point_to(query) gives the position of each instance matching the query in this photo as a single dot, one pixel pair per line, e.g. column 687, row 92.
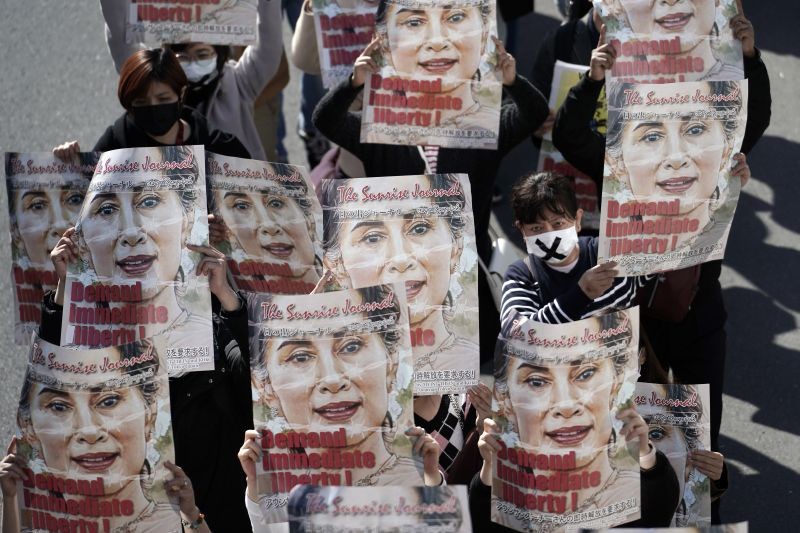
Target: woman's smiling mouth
column 569, row 436
column 674, row 21
column 135, row 265
column 279, row 250
column 96, row 462
column 338, row 411
column 677, row 185
column 438, row 66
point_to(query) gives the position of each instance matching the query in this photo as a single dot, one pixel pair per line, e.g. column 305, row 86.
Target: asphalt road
column 59, row 84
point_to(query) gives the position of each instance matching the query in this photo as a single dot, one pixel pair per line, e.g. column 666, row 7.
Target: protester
column 560, row 280
column 207, row 407
column 694, row 348
column 223, row 91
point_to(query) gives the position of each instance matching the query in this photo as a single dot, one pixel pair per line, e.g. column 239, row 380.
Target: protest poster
column 94, row 429
column 668, row 194
column 558, row 388
column 344, row 28
column 417, row 230
column 566, row 76
column 671, row 42
column 273, row 221
column 136, row 277
column 437, row 83
column 44, row 197
column 679, row 421
column 443, row 509
column 332, row 391
column 228, row 22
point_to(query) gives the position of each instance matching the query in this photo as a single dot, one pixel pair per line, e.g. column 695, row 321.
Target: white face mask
column 197, row 70
column 553, row 246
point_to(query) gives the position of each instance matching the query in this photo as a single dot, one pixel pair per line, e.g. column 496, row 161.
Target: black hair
column 533, row 193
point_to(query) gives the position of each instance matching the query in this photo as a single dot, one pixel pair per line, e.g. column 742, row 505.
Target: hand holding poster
column 417, row 230
column 668, row 191
column 331, row 378
column 44, row 197
column 437, row 83
column 668, row 42
column 559, row 388
column 273, row 221
column 94, row 430
column 565, row 76
column 136, row 277
column 679, row 424
column 443, row 509
column 344, row 28
column 191, row 21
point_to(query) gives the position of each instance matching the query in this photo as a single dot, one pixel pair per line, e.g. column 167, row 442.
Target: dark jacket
column 660, row 495
column 520, row 116
column 125, row 134
column 211, row 410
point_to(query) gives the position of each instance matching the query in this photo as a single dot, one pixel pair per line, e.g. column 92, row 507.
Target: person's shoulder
column 517, row 271
column 216, row 141
column 113, row 137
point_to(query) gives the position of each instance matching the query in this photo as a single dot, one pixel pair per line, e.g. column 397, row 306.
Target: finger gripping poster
column 417, row 230
column 331, row 377
column 669, row 187
column 229, row 22
column 443, row 509
column 44, row 197
column 272, row 222
column 679, row 424
column 344, row 28
column 94, row 431
column 437, row 83
column 669, row 42
column 136, row 277
column 563, row 464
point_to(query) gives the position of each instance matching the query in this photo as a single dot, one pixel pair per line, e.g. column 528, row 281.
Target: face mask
column 553, row 246
column 202, row 68
column 156, row 120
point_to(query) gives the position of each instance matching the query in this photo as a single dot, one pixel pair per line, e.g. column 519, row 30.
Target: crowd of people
column 228, row 100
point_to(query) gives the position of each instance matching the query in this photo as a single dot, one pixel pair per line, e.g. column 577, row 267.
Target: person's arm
column 304, row 53
column 260, row 61
column 522, row 116
column 115, row 15
column 333, row 119
column 542, row 73
column 759, row 101
column 573, row 136
column 521, row 293
column 660, row 493
column 276, row 84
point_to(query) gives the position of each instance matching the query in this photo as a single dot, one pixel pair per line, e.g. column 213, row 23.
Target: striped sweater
column 555, row 297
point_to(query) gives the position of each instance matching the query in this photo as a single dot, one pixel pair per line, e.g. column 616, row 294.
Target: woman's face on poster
column 269, row 227
column 692, row 20
column 331, row 380
column 136, row 236
column 679, row 156
column 667, row 438
column 435, row 41
column 42, row 216
column 565, row 407
column 412, row 247
column 86, row 433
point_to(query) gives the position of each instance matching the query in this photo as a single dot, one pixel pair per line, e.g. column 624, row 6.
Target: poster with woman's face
column 738, row 527
column 273, row 223
column 136, row 277
column 443, row 509
column 672, row 42
column 94, row 429
column 679, row 421
column 44, row 197
column 417, row 230
column 558, row 388
column 228, row 22
column 344, row 28
column 332, row 391
column 437, row 83
column 668, row 194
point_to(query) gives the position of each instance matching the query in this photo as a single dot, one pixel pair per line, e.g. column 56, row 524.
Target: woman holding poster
column 97, row 420
column 411, row 229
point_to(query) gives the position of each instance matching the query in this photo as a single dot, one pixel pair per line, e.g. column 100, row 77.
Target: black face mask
column 156, row 120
